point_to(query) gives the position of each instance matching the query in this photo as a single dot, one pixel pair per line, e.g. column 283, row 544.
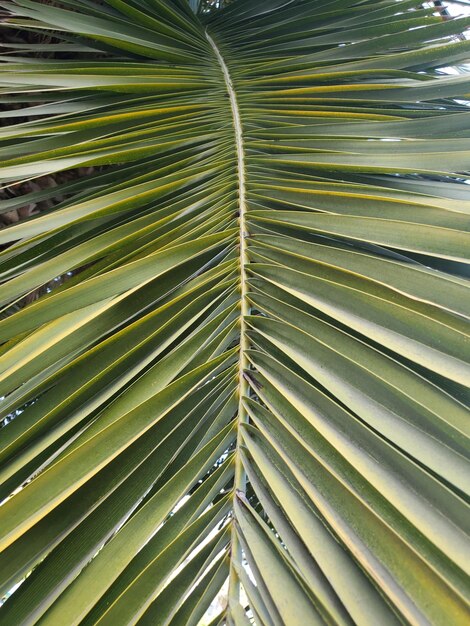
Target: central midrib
column 243, row 387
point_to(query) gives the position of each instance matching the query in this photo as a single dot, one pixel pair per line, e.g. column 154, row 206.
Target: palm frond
column 255, row 363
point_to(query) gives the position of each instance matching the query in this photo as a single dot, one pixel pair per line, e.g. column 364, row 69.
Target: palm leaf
column 254, row 363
